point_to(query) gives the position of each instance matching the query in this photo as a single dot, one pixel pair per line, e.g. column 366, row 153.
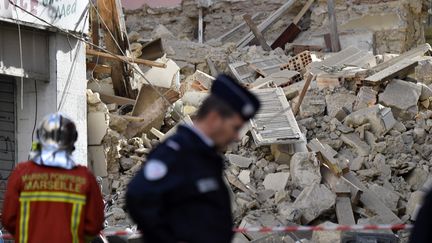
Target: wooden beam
column 325, row 156
column 92, row 52
column 334, row 35
column 293, row 30
column 200, row 26
column 309, row 79
column 112, row 37
column 256, row 32
column 98, row 68
column 302, row 12
column 112, row 99
column 230, row 33
column 213, row 70
column 265, row 25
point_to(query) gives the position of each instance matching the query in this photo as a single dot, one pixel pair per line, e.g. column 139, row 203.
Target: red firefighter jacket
column 49, row 204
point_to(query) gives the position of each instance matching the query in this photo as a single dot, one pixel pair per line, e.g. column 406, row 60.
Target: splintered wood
column 275, row 123
column 299, row 62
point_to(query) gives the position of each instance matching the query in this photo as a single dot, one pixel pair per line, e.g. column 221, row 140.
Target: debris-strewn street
column 343, row 136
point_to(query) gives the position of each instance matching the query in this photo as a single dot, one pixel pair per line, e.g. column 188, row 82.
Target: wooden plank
column 309, row 79
column 334, row 35
column 125, row 59
column 247, row 18
column 230, row 33
column 265, row 25
column 371, row 202
column 397, row 70
column 415, row 52
column 112, row 99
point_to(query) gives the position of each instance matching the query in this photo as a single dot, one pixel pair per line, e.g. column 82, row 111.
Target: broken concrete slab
column 313, row 201
column 379, row 117
column 388, row 197
column 97, row 160
column 244, row 176
column 423, row 72
column 402, row 97
column 414, row 204
column 417, row 178
column 97, row 126
column 276, row 181
column 304, row 169
column 353, row 140
column 335, row 102
column 326, row 236
column 371, row 202
column 239, row 161
column 312, row 105
column 366, row 97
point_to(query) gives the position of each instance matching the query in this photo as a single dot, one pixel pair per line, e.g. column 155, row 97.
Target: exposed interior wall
column 220, row 17
column 397, row 25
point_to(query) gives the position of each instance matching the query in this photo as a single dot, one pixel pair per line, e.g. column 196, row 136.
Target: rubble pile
column 342, row 138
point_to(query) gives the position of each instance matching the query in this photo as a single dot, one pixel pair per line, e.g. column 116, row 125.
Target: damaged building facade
column 42, row 70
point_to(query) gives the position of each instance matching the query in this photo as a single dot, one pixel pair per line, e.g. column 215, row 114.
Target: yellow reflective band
column 77, row 200
column 53, row 197
column 24, row 219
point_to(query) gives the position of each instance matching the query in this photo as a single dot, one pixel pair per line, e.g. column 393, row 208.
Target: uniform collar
column 208, row 141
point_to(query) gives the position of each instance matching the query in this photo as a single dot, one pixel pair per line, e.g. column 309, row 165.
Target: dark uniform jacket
column 422, row 232
column 179, row 195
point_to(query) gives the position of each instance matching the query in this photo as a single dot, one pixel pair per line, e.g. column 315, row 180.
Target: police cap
column 238, row 97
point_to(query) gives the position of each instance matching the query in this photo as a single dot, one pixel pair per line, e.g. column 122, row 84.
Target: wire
column 35, row 116
column 21, row 60
column 103, row 49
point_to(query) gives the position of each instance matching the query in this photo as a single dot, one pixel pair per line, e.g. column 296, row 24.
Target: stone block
column 379, row 117
column 335, row 102
column 423, row 72
column 244, row 176
column 276, row 181
column 402, row 97
column 414, row 203
column 388, row 197
column 366, row 97
column 353, row 140
column 304, row 169
column 240, row 161
column 282, row 153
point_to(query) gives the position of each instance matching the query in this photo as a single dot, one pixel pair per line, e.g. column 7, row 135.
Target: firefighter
column 180, row 194
column 50, row 198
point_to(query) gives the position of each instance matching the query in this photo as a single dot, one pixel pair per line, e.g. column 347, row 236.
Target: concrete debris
column 304, row 169
column 313, row 201
column 240, row 161
column 276, row 181
column 402, row 97
column 423, row 72
column 355, row 118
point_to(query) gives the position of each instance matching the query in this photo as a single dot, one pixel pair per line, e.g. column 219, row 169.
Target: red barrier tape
column 284, row 229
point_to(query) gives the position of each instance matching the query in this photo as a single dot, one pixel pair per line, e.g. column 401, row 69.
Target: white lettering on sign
column 65, row 14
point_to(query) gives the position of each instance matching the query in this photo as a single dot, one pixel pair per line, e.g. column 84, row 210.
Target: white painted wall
column 68, row 70
column 65, row 91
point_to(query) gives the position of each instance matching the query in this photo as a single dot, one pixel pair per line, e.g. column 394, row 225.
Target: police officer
column 180, row 195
